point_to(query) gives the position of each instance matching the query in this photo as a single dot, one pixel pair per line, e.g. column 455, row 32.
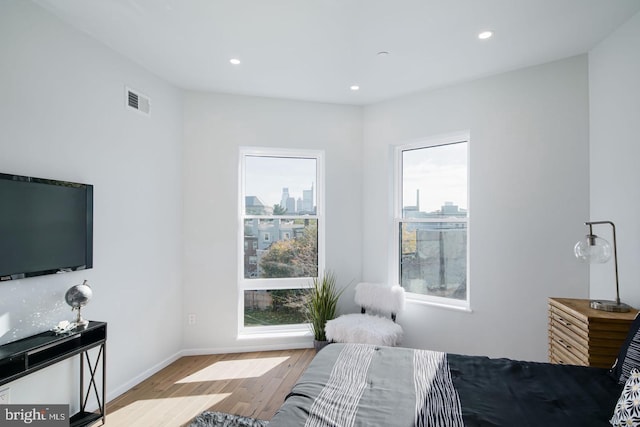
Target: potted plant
column 321, row 306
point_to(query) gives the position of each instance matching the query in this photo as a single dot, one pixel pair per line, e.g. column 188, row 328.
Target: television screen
column 46, row 226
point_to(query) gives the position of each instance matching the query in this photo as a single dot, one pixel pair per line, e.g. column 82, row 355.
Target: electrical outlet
column 191, row 319
column 5, row 396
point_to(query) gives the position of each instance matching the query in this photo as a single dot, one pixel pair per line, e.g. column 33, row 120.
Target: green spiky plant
column 322, row 303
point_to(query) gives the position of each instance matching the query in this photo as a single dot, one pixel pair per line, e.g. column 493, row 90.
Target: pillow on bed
column 629, row 355
column 627, row 411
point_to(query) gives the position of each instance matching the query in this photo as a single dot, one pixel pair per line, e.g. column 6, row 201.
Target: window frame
column 247, row 284
column 398, row 220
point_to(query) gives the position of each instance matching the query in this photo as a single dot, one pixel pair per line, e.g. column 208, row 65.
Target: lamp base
column 611, row 306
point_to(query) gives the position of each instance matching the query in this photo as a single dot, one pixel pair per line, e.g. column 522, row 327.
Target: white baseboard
column 122, row 388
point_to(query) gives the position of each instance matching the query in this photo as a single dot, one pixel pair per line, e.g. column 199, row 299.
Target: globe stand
column 80, row 322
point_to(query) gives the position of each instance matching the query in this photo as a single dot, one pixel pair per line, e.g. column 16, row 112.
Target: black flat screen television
column 46, row 226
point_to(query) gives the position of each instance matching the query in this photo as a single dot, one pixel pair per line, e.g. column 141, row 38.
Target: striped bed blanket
column 436, row 401
column 365, row 385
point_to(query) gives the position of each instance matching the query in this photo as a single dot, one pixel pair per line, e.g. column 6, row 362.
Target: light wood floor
column 248, row 384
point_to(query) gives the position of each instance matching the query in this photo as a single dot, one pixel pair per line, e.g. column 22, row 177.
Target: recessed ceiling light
column 235, row 61
column 354, row 87
column 383, row 53
column 485, row 35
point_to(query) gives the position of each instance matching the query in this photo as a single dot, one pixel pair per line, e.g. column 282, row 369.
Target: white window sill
column 244, row 335
column 465, row 309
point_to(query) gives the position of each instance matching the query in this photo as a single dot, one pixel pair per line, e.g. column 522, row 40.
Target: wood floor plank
column 248, row 384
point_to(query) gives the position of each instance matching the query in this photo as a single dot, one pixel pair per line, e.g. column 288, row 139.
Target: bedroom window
column 431, row 220
column 280, row 235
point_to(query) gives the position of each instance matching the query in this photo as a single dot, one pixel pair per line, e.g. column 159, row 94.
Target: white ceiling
column 316, row 49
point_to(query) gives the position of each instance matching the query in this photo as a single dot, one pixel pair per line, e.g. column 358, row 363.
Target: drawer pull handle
column 566, row 323
column 564, row 344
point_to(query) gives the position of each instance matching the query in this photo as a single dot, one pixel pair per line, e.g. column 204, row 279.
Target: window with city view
column 281, row 197
column 432, row 219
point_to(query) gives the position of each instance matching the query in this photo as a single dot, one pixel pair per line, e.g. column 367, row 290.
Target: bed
column 367, row 385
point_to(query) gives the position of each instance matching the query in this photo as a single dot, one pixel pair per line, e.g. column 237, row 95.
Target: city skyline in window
column 266, row 177
column 438, row 175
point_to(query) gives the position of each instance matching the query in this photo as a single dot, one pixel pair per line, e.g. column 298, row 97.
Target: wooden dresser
column 580, row 335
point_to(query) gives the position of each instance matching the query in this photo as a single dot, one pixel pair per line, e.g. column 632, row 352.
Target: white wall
column 614, row 91
column 528, row 198
column 215, row 126
column 62, row 116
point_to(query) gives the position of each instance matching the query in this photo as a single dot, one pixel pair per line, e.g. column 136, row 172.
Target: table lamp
column 597, row 250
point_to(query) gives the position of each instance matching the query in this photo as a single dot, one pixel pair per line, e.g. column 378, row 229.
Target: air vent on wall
column 137, row 101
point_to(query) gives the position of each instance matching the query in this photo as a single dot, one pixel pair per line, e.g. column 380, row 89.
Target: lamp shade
column 593, row 249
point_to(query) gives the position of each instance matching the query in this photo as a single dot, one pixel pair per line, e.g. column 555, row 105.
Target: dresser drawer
column 569, row 350
column 560, row 337
column 562, row 356
column 580, row 335
column 568, row 326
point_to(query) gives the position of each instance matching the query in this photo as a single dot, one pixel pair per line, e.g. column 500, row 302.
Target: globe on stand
column 77, row 297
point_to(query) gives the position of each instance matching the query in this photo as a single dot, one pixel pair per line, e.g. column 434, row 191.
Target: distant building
column 250, row 256
column 254, row 206
column 307, row 200
column 448, row 210
column 285, row 197
column 288, row 202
